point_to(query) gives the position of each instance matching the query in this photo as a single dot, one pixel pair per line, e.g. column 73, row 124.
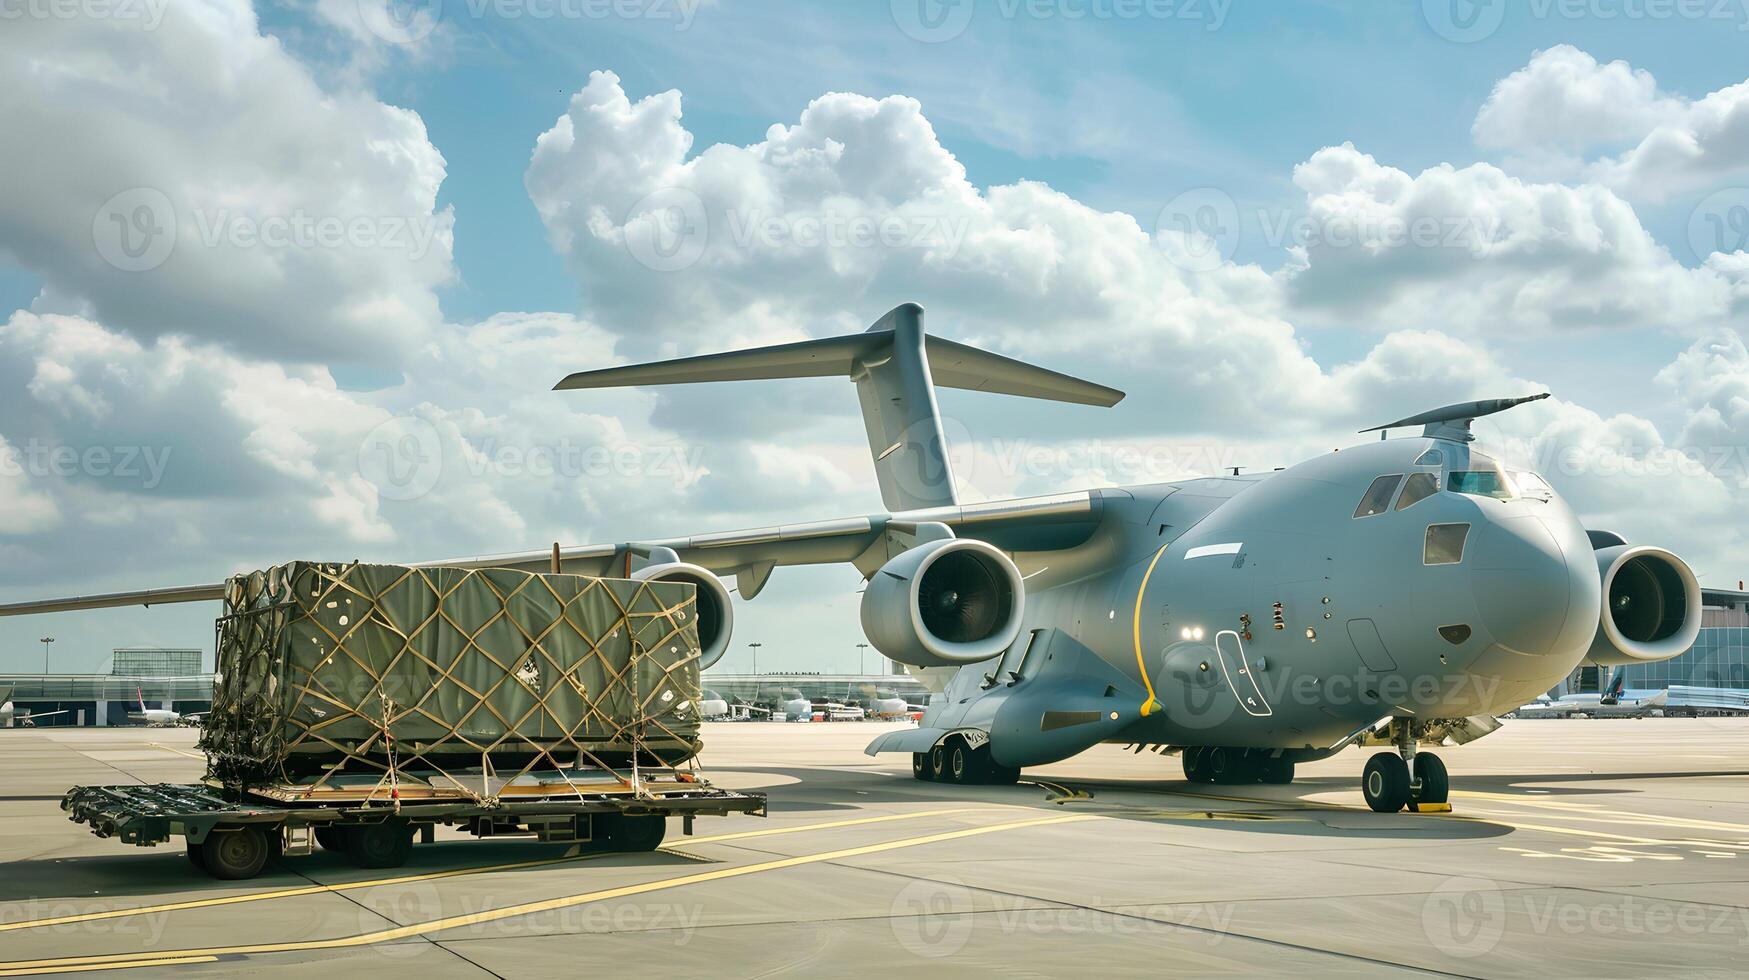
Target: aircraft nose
column 1525, row 588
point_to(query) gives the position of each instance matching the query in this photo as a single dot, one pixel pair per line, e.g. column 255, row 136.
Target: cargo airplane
column 1403, row 592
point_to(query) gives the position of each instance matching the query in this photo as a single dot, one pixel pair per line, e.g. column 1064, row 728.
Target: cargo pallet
column 231, row 834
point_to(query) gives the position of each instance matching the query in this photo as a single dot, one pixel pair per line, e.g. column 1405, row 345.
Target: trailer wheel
column 331, row 838
column 195, row 856
column 619, row 832
column 234, row 853
column 380, row 845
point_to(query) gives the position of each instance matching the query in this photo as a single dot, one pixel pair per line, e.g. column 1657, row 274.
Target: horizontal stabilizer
column 952, row 365
column 896, row 366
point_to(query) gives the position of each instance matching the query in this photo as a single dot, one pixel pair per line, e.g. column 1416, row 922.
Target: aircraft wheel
column 938, row 762
column 1198, row 765
column 1188, row 758
column 1224, row 765
column 999, row 775
column 1385, row 782
column 1435, row 784
column 234, row 854
column 920, row 767
column 965, row 764
column 380, row 845
column 1277, row 770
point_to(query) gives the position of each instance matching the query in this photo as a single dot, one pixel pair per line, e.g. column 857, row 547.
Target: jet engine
column 944, row 603
column 716, row 617
column 1651, row 606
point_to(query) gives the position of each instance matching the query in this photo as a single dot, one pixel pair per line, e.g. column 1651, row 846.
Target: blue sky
column 285, row 359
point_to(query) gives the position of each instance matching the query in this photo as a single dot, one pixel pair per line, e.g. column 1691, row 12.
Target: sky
column 294, row 280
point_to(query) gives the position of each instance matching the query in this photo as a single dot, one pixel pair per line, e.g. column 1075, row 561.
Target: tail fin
column 896, row 367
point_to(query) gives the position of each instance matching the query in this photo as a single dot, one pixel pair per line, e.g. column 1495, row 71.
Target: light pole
column 755, row 648
column 861, row 653
column 46, row 641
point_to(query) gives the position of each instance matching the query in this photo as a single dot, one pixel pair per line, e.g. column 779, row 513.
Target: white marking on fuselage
column 1203, row 551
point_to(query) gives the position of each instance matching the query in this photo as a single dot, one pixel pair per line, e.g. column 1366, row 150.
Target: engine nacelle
column 716, row 617
column 944, row 603
column 1651, row 606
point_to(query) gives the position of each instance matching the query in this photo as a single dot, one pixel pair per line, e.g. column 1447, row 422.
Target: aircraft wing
column 46, row 714
column 1032, row 523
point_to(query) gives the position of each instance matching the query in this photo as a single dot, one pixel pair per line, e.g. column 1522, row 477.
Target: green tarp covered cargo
column 379, row 668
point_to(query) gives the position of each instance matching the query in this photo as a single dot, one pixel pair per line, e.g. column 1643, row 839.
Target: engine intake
column 1651, row 606
column 944, row 603
column 716, row 616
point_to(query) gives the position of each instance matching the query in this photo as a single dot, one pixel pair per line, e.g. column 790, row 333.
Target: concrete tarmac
column 1607, row 848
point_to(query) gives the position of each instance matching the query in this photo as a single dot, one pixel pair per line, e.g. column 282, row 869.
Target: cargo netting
column 495, row 673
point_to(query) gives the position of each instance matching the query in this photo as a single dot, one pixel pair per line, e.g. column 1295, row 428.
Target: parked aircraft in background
column 10, row 716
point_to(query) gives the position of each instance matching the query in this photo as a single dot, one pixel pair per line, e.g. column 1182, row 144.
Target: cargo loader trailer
column 233, row 835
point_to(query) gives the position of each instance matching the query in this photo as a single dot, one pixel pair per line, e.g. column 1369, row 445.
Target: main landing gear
column 955, row 760
column 1405, row 778
column 1236, row 767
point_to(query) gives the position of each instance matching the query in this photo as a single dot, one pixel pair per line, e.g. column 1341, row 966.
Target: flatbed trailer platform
column 231, row 833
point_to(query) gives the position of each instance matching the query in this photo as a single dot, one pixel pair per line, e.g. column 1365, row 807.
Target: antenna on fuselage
column 1453, row 421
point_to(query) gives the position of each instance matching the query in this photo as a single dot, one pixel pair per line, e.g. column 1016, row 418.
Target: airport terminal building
column 164, row 677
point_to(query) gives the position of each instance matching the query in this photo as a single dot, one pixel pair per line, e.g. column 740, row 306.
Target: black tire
column 1435, row 783
column 997, row 775
column 1191, row 757
column 233, row 854
column 196, row 856
column 1385, row 783
column 644, row 833
column 1223, row 765
column 920, row 767
column 962, row 765
column 938, row 770
column 1277, row 770
column 331, row 838
column 380, row 845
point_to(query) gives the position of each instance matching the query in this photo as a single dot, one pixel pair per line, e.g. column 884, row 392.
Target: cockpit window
column 1486, row 479
column 1378, row 496
column 1533, row 486
column 1432, row 457
column 1419, row 487
column 1445, row 544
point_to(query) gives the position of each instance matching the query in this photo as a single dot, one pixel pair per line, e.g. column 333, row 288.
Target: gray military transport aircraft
column 1402, row 592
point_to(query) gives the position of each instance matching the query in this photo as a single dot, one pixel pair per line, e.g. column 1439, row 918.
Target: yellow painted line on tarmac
column 453, row 873
column 117, row 961
column 183, row 961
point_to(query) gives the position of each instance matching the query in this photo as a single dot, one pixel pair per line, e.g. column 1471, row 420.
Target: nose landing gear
column 1406, row 778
